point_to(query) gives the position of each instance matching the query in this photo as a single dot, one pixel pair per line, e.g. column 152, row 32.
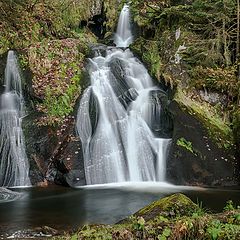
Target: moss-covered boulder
column 172, row 206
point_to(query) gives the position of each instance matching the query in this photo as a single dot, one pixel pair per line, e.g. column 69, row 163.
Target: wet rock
column 194, row 158
column 97, row 50
column 93, row 110
column 128, row 96
column 76, row 177
column 40, row 143
column 160, row 118
column 172, row 206
column 118, row 67
column 96, row 25
column 3, row 60
column 66, row 163
column 118, row 82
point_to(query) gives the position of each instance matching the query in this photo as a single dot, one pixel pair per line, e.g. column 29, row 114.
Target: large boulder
column 175, row 205
column 194, row 157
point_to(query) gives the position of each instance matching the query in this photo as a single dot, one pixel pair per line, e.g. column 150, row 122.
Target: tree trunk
column 225, row 44
column 238, row 38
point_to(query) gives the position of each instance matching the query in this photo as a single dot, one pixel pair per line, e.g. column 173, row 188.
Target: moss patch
column 174, row 205
column 111, row 11
column 57, row 67
column 218, row 129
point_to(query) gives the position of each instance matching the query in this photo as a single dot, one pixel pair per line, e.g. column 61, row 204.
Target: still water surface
column 67, row 209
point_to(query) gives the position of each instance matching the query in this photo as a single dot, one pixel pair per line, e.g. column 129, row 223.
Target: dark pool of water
column 66, row 209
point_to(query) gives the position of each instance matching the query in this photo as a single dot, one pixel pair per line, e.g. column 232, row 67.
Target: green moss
column 175, row 205
column 24, row 23
column 215, row 79
column 111, row 9
column 185, row 144
column 57, row 68
column 218, row 129
column 149, row 52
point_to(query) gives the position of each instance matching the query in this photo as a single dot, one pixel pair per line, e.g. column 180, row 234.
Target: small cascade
column 14, row 166
column 117, row 114
column 123, row 36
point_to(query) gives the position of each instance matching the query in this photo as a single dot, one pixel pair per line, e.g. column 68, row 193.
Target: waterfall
column 113, row 121
column 115, row 116
column 14, row 166
column 123, row 36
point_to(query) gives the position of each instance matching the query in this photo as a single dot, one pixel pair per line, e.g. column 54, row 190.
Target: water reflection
column 65, row 209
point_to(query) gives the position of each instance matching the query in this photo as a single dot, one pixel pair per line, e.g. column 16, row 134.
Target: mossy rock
column 172, row 206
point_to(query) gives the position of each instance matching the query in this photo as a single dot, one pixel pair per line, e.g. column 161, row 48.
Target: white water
column 123, row 36
column 114, row 117
column 145, row 187
column 14, row 166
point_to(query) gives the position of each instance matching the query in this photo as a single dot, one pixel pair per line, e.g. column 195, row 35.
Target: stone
column 199, row 166
column 175, row 205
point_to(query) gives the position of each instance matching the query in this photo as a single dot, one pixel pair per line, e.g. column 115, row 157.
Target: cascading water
column 14, row 166
column 115, row 117
column 123, row 36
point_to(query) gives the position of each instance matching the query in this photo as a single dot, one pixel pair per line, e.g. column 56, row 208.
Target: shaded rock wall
column 40, row 142
column 194, row 158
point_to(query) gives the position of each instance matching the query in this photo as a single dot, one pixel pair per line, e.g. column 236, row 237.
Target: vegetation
column 24, row 22
column 174, row 217
column 194, row 46
column 185, row 144
column 46, row 33
column 57, row 67
column 218, row 129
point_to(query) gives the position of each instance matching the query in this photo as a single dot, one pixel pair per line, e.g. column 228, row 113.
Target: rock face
column 66, row 166
column 3, row 60
column 194, row 158
column 40, row 143
column 54, row 153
